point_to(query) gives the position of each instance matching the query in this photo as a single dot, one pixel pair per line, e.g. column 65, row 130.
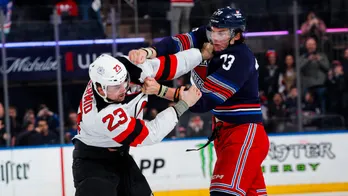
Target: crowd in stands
column 324, row 78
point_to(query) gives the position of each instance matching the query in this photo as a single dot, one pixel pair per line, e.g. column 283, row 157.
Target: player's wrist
column 150, row 52
column 162, row 91
column 180, row 108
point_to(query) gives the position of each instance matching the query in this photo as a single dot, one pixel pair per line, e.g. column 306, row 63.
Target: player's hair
column 242, row 38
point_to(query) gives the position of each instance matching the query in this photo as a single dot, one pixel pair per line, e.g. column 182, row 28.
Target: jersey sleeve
column 173, row 44
column 224, row 82
column 124, row 129
column 163, row 68
column 172, row 66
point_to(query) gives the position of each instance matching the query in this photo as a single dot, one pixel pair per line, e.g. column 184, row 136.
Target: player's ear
column 237, row 37
column 100, row 89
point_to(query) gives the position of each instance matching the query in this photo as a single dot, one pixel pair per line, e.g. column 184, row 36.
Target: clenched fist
column 137, row 56
column 191, row 96
column 207, row 51
column 150, row 86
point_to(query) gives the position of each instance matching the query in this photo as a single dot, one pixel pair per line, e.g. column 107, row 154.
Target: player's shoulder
column 241, row 50
column 199, row 29
column 199, row 32
column 241, row 53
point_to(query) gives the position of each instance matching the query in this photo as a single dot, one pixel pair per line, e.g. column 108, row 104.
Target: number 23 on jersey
column 114, row 120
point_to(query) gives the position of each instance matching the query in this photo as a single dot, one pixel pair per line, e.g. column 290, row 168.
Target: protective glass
column 218, row 36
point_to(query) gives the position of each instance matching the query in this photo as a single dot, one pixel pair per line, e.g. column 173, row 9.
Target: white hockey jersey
column 122, row 124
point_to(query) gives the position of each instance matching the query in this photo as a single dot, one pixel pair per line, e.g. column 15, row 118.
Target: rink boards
column 295, row 164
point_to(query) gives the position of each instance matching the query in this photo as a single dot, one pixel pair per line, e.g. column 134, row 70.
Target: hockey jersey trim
column 135, row 133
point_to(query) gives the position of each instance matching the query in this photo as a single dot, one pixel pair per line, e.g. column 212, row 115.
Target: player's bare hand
column 207, row 51
column 191, row 96
column 137, row 56
column 150, row 86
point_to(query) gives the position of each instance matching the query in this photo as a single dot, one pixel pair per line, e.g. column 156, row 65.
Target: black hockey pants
column 99, row 172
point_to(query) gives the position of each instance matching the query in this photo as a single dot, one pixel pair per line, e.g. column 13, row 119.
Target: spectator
column 269, row 75
column 15, row 124
column 71, row 129
column 195, row 127
column 287, row 77
column 182, row 132
column 3, row 135
column 42, row 135
column 291, row 103
column 2, row 111
column 313, row 27
column 29, row 116
column 314, row 67
column 336, row 89
column 310, row 106
column 6, row 7
column 310, row 110
column 345, row 62
column 277, row 114
column 91, row 9
column 179, row 16
column 23, row 137
column 277, row 107
column 264, row 108
column 51, row 118
column 67, row 8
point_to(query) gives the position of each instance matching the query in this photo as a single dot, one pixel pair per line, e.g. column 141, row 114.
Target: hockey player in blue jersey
column 229, row 85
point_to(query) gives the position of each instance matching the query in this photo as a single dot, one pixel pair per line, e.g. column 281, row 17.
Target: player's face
column 117, row 93
column 220, row 38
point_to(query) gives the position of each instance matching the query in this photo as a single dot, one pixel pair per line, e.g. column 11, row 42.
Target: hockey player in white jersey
column 108, row 123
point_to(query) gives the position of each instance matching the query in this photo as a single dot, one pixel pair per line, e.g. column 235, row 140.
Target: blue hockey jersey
column 228, row 81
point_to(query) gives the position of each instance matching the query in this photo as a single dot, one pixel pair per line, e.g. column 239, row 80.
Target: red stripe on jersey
column 173, row 66
column 181, row 40
column 239, row 106
column 201, row 71
column 220, row 88
column 217, row 88
column 161, row 67
column 143, row 105
column 79, row 117
column 141, row 137
column 126, row 132
column 184, row 42
column 187, row 41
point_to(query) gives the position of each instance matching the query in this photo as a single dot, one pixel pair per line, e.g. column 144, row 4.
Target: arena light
column 72, row 42
column 337, row 30
column 331, row 30
column 249, row 34
column 266, row 33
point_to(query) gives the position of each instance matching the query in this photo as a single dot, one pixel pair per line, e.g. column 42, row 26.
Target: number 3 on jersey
column 121, row 118
column 228, row 61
